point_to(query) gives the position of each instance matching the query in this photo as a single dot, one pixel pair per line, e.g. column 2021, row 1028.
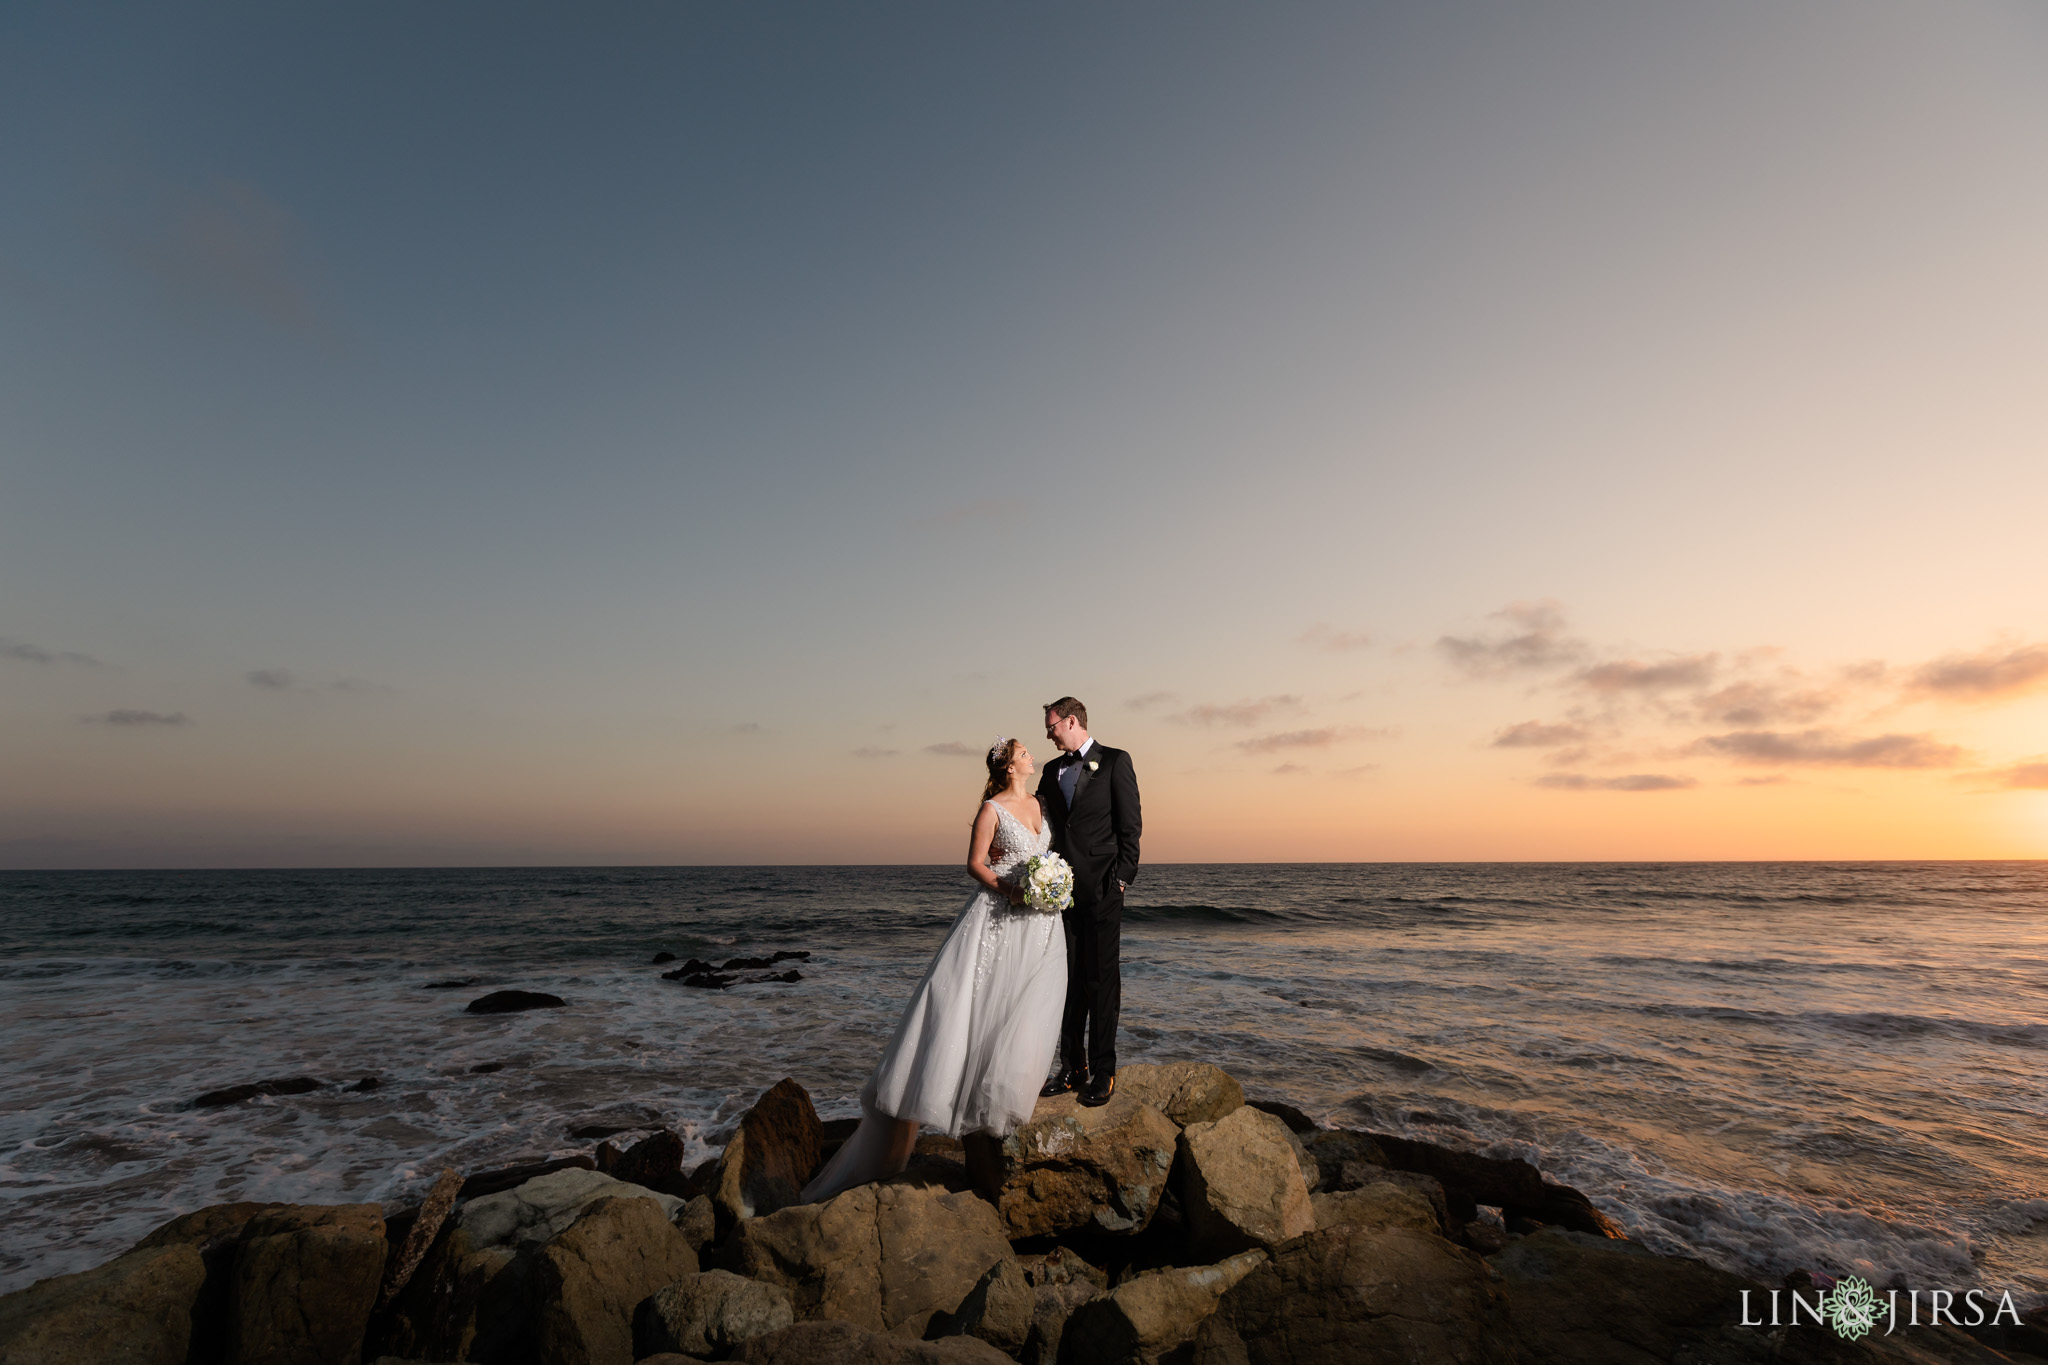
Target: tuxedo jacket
column 1098, row 833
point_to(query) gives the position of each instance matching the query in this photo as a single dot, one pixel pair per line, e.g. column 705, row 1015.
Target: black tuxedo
column 1098, row 836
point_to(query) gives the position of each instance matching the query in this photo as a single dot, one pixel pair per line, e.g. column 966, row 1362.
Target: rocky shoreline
column 1177, row 1224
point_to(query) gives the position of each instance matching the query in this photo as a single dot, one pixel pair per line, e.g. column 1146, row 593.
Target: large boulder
column 770, row 1158
column 1151, row 1314
column 305, row 1280
column 588, row 1280
column 708, row 1315
column 215, row 1232
column 1060, row 1283
column 846, row 1343
column 472, row 1298
column 885, row 1257
column 999, row 1309
column 1072, row 1167
column 1242, row 1184
column 136, row 1308
column 1186, row 1092
column 1345, row 1159
column 1375, row 1207
column 1370, row 1298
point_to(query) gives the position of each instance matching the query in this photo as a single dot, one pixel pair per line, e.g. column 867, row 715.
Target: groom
column 1091, row 796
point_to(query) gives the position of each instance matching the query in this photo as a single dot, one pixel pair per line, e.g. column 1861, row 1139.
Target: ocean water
column 1772, row 1066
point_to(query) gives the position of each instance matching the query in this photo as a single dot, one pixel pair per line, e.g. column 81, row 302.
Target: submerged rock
column 235, row 1094
column 512, row 1002
column 660, row 958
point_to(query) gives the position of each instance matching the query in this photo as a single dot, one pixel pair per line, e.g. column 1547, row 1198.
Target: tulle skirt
column 972, row 1047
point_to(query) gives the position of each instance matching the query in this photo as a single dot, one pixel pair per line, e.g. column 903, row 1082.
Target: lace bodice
column 1014, row 842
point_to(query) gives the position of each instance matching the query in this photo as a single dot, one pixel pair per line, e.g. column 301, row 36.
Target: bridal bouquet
column 1048, row 884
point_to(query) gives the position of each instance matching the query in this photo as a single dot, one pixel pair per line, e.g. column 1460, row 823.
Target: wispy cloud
column 2022, row 776
column 124, row 716
column 231, row 245
column 1990, row 676
column 1628, row 675
column 1825, row 748
column 1292, row 739
column 1288, row 769
column 1634, row 782
column 1753, row 704
column 1534, row 734
column 284, row 680
column 951, row 748
column 1334, row 641
column 1240, row 715
column 272, row 679
column 21, row 651
column 1150, row 700
column 1774, row 780
column 870, row 751
column 1532, row 637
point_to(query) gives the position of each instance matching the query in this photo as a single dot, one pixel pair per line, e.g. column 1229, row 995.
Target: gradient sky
column 688, row 433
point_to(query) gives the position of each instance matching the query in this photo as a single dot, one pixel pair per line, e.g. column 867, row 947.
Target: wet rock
column 486, row 1068
column 707, row 981
column 1580, row 1298
column 1565, row 1207
column 1344, row 1158
column 784, row 977
column 660, row 958
column 655, row 1161
column 743, row 964
column 998, row 1310
column 512, row 1002
column 1387, row 1204
column 1467, row 1178
column 305, row 1280
column 136, row 1308
column 1347, row 1294
column 1186, row 1092
column 770, row 1158
column 1242, row 1184
column 588, row 1280
column 846, row 1343
column 1152, row 1314
column 366, row 1084
column 235, row 1094
column 451, row 985
column 708, row 1315
column 1296, row 1121
column 425, row 1227
column 512, row 1177
column 887, row 1257
column 1073, row 1167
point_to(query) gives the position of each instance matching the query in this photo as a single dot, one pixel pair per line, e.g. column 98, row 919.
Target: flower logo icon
column 1851, row 1308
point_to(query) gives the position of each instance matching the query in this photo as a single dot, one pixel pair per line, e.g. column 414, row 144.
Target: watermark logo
column 1853, row 1308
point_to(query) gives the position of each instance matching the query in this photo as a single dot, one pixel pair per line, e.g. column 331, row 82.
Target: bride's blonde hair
column 999, row 756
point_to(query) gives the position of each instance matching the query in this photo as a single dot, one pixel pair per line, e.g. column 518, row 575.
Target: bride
column 977, row 1038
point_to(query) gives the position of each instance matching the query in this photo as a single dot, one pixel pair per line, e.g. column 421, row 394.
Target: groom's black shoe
column 1098, row 1090
column 1065, row 1079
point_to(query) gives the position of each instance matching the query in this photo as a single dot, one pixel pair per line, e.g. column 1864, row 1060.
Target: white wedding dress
column 977, row 1038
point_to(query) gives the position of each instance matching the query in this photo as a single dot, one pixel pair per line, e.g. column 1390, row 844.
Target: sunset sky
column 689, row 433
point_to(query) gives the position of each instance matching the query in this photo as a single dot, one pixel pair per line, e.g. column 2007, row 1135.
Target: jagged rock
column 588, row 1280
column 235, row 1094
column 1311, row 1169
column 1565, row 1207
column 696, row 1221
column 1467, row 1177
column 655, row 1161
column 709, row 1314
column 845, row 1343
column 998, row 1309
column 887, row 1257
column 1351, row 1295
column 1072, row 1167
column 214, row 1233
column 768, row 1161
column 1151, row 1314
column 1052, row 1307
column 1242, row 1184
column 426, row 1225
column 134, row 1309
column 1297, row 1122
column 1186, row 1092
column 305, row 1280
column 1345, row 1159
column 472, row 1298
column 511, row 1002
column 1387, row 1204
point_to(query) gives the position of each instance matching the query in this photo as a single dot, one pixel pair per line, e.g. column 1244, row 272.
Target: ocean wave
column 1202, row 914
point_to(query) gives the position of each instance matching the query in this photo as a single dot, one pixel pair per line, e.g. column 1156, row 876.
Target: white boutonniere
column 1093, row 765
